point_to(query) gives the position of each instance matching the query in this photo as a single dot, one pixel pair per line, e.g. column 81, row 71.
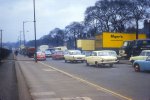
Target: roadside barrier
column 4, row 53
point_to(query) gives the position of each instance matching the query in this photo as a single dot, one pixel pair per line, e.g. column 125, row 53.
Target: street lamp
column 24, row 30
column 1, row 44
column 35, row 30
column 1, row 37
column 20, row 39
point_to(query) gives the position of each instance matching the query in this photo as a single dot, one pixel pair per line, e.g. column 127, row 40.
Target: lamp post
column 35, row 30
column 1, row 38
column 24, row 31
column 1, row 44
column 20, row 39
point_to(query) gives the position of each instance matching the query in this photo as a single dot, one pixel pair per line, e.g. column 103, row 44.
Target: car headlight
column 121, row 51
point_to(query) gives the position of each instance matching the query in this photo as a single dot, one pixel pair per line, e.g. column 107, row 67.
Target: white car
column 143, row 55
column 48, row 53
column 102, row 57
column 74, row 56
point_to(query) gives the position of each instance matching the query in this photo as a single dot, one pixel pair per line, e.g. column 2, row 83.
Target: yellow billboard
column 115, row 40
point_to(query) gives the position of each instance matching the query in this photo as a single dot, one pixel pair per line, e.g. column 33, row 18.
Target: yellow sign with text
column 115, row 40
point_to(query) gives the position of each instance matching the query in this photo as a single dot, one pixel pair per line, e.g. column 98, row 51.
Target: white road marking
column 42, row 93
column 48, row 70
column 66, row 98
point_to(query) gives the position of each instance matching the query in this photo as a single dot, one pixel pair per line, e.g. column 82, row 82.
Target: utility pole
column 35, row 30
column 23, row 34
column 1, row 38
column 1, row 45
column 20, row 39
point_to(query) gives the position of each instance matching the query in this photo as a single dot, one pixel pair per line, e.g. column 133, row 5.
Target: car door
column 92, row 58
column 147, row 63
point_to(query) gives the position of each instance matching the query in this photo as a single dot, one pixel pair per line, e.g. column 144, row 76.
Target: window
column 148, row 58
column 94, row 54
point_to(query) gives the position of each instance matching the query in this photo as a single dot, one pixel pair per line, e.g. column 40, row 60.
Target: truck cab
column 134, row 48
column 126, row 47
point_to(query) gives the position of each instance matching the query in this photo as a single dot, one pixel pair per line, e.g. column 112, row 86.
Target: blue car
column 142, row 65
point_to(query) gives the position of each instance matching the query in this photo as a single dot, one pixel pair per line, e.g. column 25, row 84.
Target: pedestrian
column 16, row 52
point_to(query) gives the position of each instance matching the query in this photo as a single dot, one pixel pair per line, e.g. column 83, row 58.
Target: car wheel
column 110, row 65
column 65, row 61
column 82, row 61
column 96, row 64
column 87, row 64
column 137, row 67
column 132, row 61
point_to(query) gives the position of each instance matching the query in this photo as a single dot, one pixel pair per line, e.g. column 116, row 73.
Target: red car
column 41, row 55
column 58, row 55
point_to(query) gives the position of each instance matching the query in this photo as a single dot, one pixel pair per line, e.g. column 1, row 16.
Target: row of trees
column 105, row 15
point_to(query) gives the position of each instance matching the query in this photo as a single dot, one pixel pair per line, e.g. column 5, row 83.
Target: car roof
column 73, row 50
column 145, row 50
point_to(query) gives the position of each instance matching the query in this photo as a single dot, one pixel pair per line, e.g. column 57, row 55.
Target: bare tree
column 75, row 30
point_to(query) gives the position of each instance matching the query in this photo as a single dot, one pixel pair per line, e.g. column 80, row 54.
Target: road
column 120, row 80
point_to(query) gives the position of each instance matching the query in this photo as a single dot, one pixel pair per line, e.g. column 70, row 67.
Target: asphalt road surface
column 121, row 78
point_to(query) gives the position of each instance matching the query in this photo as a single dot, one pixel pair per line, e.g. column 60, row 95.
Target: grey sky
column 49, row 15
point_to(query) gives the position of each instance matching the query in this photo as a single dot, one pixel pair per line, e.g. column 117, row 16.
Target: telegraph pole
column 23, row 34
column 1, row 44
column 35, row 30
column 1, row 38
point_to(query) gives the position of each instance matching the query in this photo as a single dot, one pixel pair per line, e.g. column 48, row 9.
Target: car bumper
column 110, row 62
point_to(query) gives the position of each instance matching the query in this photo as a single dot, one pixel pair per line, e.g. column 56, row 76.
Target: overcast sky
column 49, row 15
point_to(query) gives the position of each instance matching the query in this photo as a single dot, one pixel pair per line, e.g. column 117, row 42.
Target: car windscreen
column 107, row 54
column 75, row 53
column 47, row 51
column 145, row 54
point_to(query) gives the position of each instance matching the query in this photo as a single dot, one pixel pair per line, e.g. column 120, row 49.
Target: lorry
column 86, row 44
column 43, row 47
column 134, row 47
column 30, row 51
column 62, row 48
column 114, row 41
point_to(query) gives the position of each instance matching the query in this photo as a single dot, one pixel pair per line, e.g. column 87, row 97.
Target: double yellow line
column 89, row 83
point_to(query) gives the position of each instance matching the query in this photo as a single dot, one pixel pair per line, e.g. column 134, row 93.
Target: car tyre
column 137, row 67
column 87, row 64
column 65, row 61
column 96, row 64
column 82, row 61
column 110, row 65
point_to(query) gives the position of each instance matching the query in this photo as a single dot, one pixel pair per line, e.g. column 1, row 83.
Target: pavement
column 8, row 80
column 38, row 81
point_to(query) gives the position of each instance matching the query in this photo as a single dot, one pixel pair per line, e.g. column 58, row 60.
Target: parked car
column 143, row 55
column 40, row 55
column 142, row 65
column 58, row 54
column 102, row 57
column 48, row 53
column 74, row 56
